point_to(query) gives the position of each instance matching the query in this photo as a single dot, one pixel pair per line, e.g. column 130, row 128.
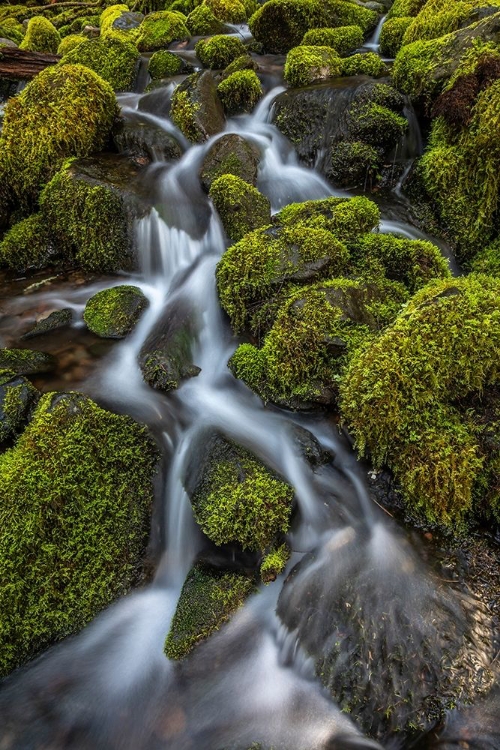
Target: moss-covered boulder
column 64, row 111
column 202, row 22
column 69, row 43
column 346, row 218
column 366, row 64
column 344, row 39
column 240, row 92
column 240, row 206
column 158, row 30
column 12, row 30
column 440, row 17
column 208, row 599
column 26, row 361
column 244, row 62
column 27, row 245
column 196, row 108
column 74, row 521
column 114, row 312
column 51, row 322
column 402, row 396
column 113, row 60
column 218, row 51
column 488, row 260
column 17, row 401
column 305, row 65
column 391, row 36
column 163, row 64
column 230, row 154
column 228, row 11
column 353, row 164
column 117, row 22
column 41, row 36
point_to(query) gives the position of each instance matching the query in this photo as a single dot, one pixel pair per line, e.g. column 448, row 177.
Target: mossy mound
column 74, row 521
column 202, row 22
column 305, row 65
column 346, row 218
column 401, row 396
column 243, row 62
column 230, row 154
column 240, row 206
column 405, row 8
column 240, row 92
column 70, row 43
column 27, row 245
column 64, row 111
column 12, row 29
column 158, row 30
column 163, row 64
column 26, row 361
column 228, row 11
column 208, row 599
column 116, row 22
column 440, row 17
column 344, row 39
column 218, row 51
column 114, row 312
column 17, row 401
column 113, row 60
column 367, row 64
column 53, row 321
column 376, row 124
column 196, row 108
column 353, row 164
column 391, row 36
column 41, row 36
column 274, row 563
column 488, row 260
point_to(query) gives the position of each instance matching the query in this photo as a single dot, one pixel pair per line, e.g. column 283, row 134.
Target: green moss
column 27, row 245
column 391, row 36
column 353, row 164
column 346, row 218
column 17, row 400
column 114, row 312
column 113, row 60
column 163, row 64
column 228, row 11
column 26, row 361
column 376, row 125
column 367, row 63
column 41, row 36
column 208, row 599
column 183, row 113
column 240, row 206
column 405, row 8
column 400, row 395
column 265, row 262
column 75, row 496
column 11, row 29
column 344, row 39
column 160, row 29
column 201, row 22
column 305, row 65
column 110, row 31
column 230, row 154
column 240, row 92
column 274, row 563
column 64, row 111
column 488, row 260
column 440, row 17
column 69, row 43
column 218, row 51
column 243, row 62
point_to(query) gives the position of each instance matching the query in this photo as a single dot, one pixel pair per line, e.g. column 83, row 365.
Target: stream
column 111, row 686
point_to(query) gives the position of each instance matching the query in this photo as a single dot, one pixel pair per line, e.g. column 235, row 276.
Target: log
column 21, row 65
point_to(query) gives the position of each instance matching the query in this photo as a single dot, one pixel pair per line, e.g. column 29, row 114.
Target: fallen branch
column 20, row 65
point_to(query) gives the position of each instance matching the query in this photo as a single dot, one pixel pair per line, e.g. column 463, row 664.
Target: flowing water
column 111, row 686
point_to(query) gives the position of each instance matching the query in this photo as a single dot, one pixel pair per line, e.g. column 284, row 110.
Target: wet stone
column 17, row 401
column 26, row 361
column 56, row 319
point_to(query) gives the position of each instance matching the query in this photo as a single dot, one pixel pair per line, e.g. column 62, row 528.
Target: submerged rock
column 26, row 361
column 114, row 312
column 230, row 154
column 17, row 401
column 53, row 321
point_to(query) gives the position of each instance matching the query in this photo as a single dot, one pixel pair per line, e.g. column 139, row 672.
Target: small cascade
column 373, row 43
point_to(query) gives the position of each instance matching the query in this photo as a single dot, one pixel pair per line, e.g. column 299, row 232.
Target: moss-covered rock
column 69, row 43
column 240, row 92
column 202, row 22
column 488, row 260
column 391, row 36
column 376, row 125
column 230, row 154
column 218, row 51
column 26, row 361
column 27, row 245
column 41, row 36
column 113, row 313
column 53, row 321
column 401, row 397
column 367, row 64
column 196, row 108
column 228, row 11
column 11, row 29
column 116, row 22
column 64, row 111
column 344, row 39
column 274, row 563
column 346, row 218
column 439, row 17
column 305, row 65
column 145, row 141
column 160, row 29
column 163, row 64
column 405, row 8
column 243, row 62
column 353, row 164
column 113, row 60
column 240, row 206
column 74, row 521
column 17, row 401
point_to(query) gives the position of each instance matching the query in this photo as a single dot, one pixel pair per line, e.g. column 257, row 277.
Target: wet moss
column 208, row 599
column 346, row 218
column 228, row 11
column 344, row 39
column 109, row 30
column 367, row 63
column 376, row 125
column 27, row 245
column 391, row 36
column 69, row 43
column 488, row 260
column 274, row 563
column 405, row 8
column 243, row 62
column 240, row 206
column 202, row 21
column 196, row 108
column 11, row 29
column 113, row 60
column 41, row 36
column 400, row 396
column 184, row 114
column 305, row 65
column 26, row 361
column 240, row 92
column 163, row 64
column 230, row 154
column 220, row 50
column 75, row 496
column 158, row 30
column 113, row 313
column 353, row 164
column 440, row 17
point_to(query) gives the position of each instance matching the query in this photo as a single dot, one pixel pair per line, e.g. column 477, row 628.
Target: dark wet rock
column 17, row 401
column 145, row 141
column 113, row 313
column 157, row 100
column 308, row 446
column 230, row 154
column 56, row 319
column 196, row 108
column 26, row 361
column 165, row 358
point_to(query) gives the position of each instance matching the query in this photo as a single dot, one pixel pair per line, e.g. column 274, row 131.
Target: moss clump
column 401, row 396
column 12, row 29
column 367, row 64
column 305, row 65
column 160, row 29
column 17, row 400
column 75, row 495
column 70, row 43
column 391, row 36
column 196, row 108
column 353, row 164
column 440, row 17
column 274, row 563
column 109, row 24
column 201, row 22
column 240, row 92
column 41, row 36
column 218, row 51
column 240, row 206
column 113, row 60
column 265, row 263
column 113, row 313
column 26, row 361
column 343, row 40
column 346, row 218
column 405, row 8
column 243, row 62
column 488, row 260
column 27, row 245
column 376, row 125
column 163, row 64
column 228, row 11
column 208, row 599
column 64, row 111
column 230, row 154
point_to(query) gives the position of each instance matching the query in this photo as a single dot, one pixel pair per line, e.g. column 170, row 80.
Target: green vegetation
column 201, row 22
column 488, row 260
column 344, row 40
column 440, row 17
column 17, row 400
column 114, row 312
column 346, row 218
column 41, row 36
column 391, row 36
column 240, row 206
column 27, row 245
column 196, row 108
column 228, row 11
column 218, row 51
column 113, row 60
column 230, row 154
column 158, row 30
column 375, row 124
column 12, row 29
column 305, row 65
column 240, row 92
column 243, row 62
column 353, row 164
column 208, row 599
column 26, row 361
column 274, row 563
column 405, row 8
column 109, row 29
column 75, row 496
column 163, row 64
column 367, row 64
column 69, row 43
